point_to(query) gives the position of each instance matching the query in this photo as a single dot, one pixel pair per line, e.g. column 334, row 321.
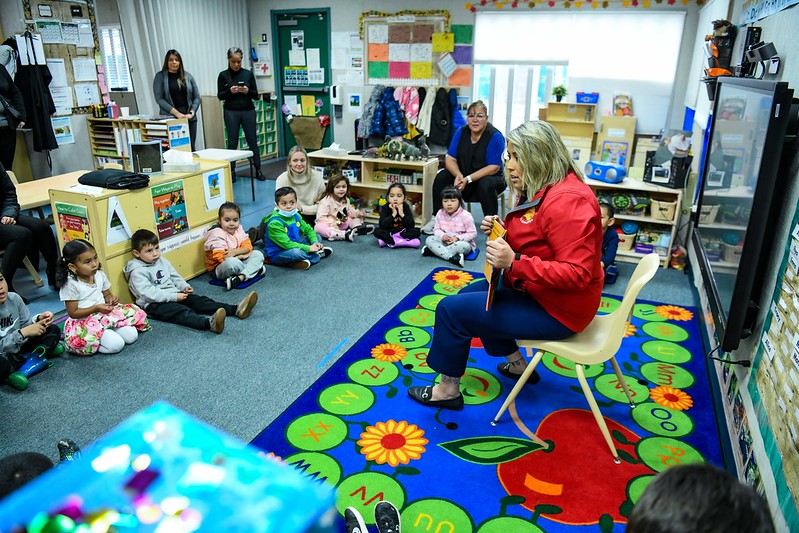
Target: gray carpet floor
column 241, row 380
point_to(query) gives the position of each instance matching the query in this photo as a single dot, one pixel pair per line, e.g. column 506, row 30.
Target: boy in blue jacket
column 610, row 243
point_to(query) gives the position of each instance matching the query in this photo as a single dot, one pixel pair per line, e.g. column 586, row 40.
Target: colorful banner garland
column 604, row 4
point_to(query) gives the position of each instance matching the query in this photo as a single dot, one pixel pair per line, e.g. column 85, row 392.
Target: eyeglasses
column 478, row 116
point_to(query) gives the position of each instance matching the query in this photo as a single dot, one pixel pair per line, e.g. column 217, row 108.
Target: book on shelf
column 493, row 274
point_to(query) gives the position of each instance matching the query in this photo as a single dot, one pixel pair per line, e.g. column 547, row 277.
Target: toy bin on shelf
column 587, row 98
column 626, row 241
column 663, row 210
column 731, row 253
column 708, row 214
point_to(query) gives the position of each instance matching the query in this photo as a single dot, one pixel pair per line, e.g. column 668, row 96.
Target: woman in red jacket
column 552, row 279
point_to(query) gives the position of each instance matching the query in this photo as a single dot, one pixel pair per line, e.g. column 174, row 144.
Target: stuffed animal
column 398, row 149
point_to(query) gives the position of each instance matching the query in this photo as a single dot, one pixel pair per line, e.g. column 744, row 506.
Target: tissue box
column 194, row 166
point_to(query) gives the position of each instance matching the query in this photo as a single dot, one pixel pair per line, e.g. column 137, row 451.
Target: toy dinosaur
column 399, row 149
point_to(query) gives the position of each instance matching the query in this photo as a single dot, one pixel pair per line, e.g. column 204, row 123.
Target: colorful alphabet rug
column 544, row 467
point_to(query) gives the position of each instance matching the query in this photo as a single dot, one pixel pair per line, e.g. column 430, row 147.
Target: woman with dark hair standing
column 10, row 120
column 176, row 92
column 236, row 88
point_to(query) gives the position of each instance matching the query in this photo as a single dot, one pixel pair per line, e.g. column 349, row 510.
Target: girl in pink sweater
column 454, row 233
column 337, row 219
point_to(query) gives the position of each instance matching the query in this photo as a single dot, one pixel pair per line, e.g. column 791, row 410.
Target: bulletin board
column 407, row 48
column 68, row 32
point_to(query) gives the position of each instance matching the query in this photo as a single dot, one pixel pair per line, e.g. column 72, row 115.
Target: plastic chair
column 598, row 343
column 37, row 279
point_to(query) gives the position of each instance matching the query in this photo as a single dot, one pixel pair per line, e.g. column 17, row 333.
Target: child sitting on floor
column 166, row 296
column 22, row 336
column 288, row 239
column 610, row 243
column 97, row 321
column 454, row 232
column 228, row 250
column 336, row 217
column 397, row 226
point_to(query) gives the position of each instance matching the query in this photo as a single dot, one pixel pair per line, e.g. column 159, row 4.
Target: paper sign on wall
column 117, row 230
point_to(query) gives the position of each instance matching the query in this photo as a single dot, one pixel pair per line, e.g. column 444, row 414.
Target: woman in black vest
column 474, row 162
column 236, row 88
column 176, row 92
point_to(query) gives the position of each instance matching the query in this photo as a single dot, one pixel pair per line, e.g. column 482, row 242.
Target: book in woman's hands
column 493, row 274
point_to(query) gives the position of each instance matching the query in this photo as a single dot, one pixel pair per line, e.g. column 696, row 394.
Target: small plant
column 559, row 92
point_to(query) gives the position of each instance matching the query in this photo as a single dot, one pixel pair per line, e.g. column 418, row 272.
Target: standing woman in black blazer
column 9, row 123
column 236, row 88
column 176, row 92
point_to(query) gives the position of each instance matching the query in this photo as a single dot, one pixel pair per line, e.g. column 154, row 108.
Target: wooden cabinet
column 110, row 138
column 174, row 206
column 660, row 217
column 575, row 123
column 370, row 180
column 266, row 126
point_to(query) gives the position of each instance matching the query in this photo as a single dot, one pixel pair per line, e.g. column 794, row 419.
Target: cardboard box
column 615, row 138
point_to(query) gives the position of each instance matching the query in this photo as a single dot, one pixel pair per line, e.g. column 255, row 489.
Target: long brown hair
column 181, row 72
column 332, row 181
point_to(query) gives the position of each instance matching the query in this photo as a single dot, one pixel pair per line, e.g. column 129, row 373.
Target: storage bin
column 626, row 241
column 731, row 253
column 587, row 98
column 644, row 248
column 662, row 210
column 708, row 213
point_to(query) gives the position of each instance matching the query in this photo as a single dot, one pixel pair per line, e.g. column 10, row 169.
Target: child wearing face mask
column 288, row 239
column 228, row 250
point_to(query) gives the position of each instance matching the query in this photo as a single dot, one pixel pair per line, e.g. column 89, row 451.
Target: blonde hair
column 292, row 175
column 543, row 158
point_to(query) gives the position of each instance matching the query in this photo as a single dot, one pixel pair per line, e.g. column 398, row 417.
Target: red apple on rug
column 578, row 475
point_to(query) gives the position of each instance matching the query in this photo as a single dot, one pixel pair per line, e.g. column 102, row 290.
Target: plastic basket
column 708, row 213
column 587, row 98
column 663, row 210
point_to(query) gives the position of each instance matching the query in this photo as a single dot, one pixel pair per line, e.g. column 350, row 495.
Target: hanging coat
column 457, row 119
column 33, row 81
column 440, row 119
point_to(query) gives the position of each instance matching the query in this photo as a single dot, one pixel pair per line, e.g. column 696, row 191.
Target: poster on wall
column 214, row 188
column 73, row 220
column 169, row 209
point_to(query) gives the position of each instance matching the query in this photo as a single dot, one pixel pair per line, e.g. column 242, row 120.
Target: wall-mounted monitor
column 745, row 178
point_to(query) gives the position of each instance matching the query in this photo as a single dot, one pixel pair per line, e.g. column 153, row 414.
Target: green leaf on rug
column 406, row 471
column 627, row 457
column 490, row 450
column 606, row 523
column 633, row 356
column 627, row 366
column 619, row 436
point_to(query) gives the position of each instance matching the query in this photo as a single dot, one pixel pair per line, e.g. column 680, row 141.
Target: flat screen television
column 745, row 176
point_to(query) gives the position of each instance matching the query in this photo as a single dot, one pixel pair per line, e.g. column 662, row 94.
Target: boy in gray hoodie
column 165, row 295
column 22, row 335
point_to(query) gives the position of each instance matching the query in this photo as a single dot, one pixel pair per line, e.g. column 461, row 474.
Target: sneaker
column 429, row 227
column 246, row 306
column 252, row 233
column 427, row 252
column 261, row 271
column 381, row 243
column 353, row 521
column 18, row 381
column 387, row 518
column 217, row 321
column 457, row 260
column 58, row 350
column 349, row 235
column 259, row 176
column 68, row 450
column 365, row 229
column 302, row 264
column 326, row 251
column 232, row 282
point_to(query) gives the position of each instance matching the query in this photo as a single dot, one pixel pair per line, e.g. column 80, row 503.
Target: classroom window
column 515, row 93
column 115, row 58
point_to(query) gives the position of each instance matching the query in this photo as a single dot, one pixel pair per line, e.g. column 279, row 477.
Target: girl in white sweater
column 336, row 217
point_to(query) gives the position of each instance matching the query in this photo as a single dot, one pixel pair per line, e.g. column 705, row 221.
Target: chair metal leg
column 597, row 414
column 519, row 384
column 252, row 177
column 32, row 271
column 624, row 386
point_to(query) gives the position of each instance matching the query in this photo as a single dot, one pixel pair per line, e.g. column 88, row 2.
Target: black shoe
column 427, row 252
column 365, row 229
column 259, row 176
column 68, row 450
column 50, row 271
column 353, row 521
column 232, row 282
column 423, row 395
column 387, row 518
column 457, row 260
column 504, row 369
column 326, row 251
column 349, row 235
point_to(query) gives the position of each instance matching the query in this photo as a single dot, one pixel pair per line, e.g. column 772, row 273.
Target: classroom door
column 302, row 72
